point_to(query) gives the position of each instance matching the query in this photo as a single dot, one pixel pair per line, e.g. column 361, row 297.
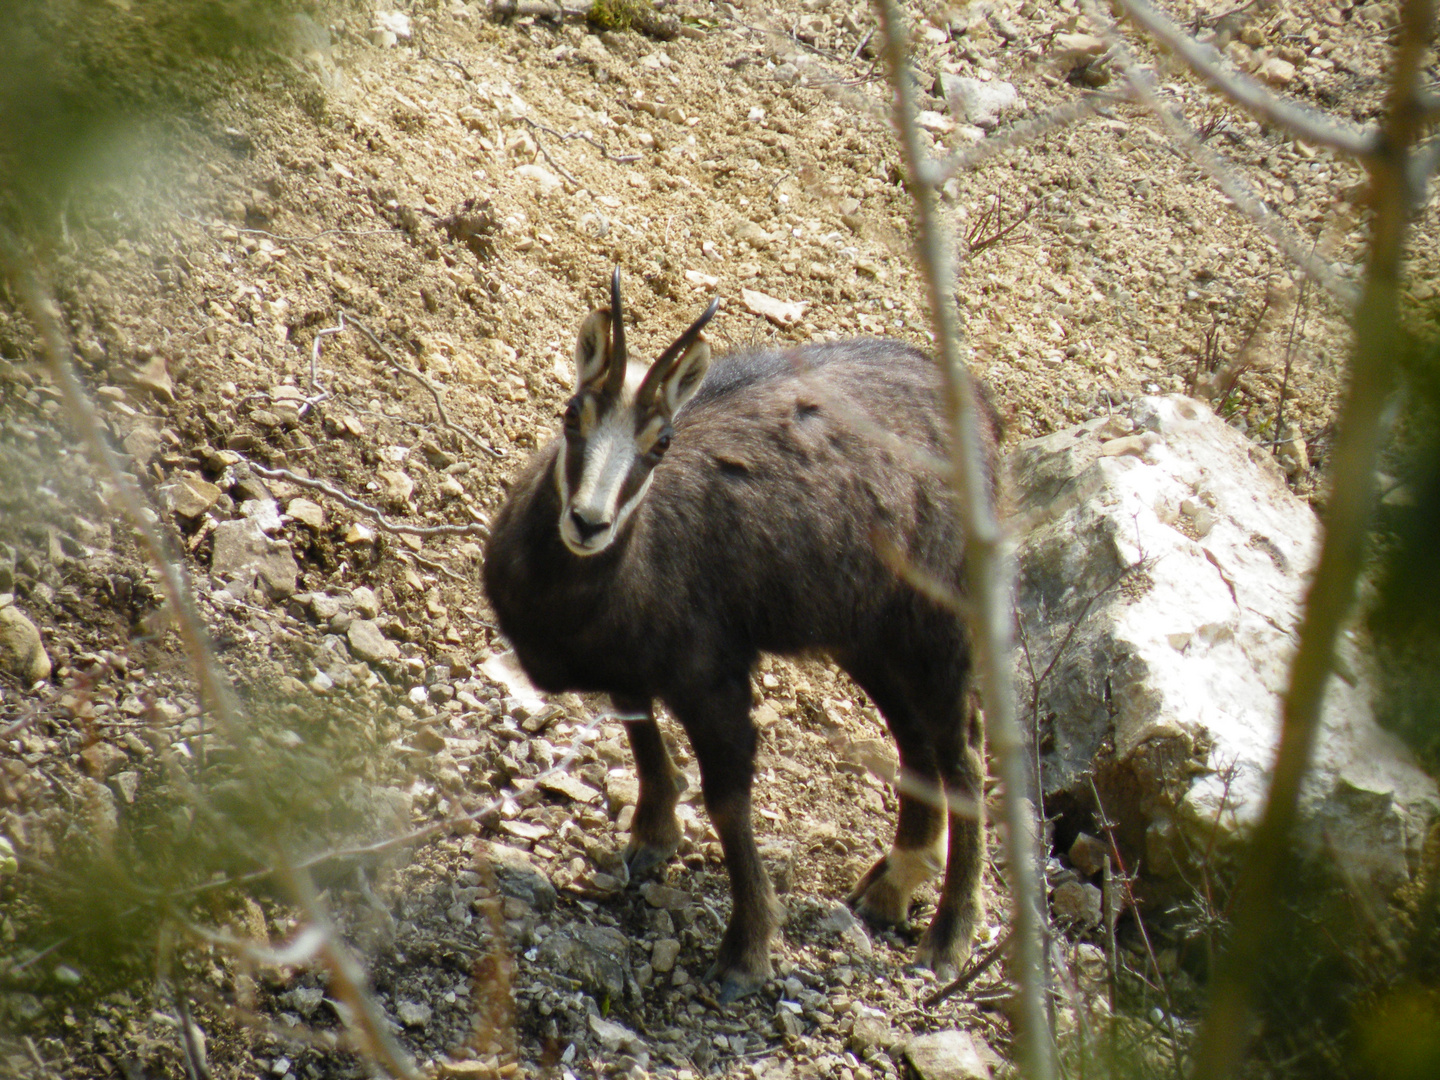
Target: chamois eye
column 661, row 444
column 572, row 416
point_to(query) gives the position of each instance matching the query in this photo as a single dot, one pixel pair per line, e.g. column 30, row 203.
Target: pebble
column 364, row 601
column 368, row 643
column 306, row 512
column 946, row 1055
column 243, row 554
column 663, row 954
column 980, row 103
column 1077, row 902
column 22, row 653
column 663, row 896
column 101, row 759
column 189, row 496
column 1087, row 854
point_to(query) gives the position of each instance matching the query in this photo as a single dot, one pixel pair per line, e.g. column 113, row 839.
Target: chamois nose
column 583, row 528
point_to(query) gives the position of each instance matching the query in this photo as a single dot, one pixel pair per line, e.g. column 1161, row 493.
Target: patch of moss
column 618, row 14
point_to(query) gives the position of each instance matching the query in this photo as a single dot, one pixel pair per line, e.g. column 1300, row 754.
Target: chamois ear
column 592, row 351
column 684, row 377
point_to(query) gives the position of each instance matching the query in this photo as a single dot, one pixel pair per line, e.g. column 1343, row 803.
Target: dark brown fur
column 759, row 534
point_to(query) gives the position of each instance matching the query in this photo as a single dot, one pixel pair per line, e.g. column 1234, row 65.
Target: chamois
column 769, row 501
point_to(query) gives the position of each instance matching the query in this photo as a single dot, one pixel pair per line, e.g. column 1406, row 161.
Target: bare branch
column 435, row 392
column 987, row 568
column 352, row 503
column 1373, row 374
column 1250, row 204
column 346, row 975
column 937, row 172
column 1206, row 62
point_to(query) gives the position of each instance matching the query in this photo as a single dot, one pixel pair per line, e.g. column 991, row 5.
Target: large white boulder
column 1168, row 691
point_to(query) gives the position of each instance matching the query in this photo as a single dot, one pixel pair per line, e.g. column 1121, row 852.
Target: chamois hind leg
column 918, row 852
column 655, row 831
column 946, row 943
column 717, row 720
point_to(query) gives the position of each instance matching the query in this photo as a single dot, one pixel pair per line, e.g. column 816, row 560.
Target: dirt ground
column 458, row 196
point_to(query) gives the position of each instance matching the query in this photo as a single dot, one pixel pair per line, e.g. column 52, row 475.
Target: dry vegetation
column 343, row 273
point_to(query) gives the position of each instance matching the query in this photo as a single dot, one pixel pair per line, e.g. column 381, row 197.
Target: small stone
column 154, row 378
column 189, row 496
column 323, row 607
column 934, row 122
column 365, row 602
column 524, row 830
column 1087, row 854
column 243, row 553
column 663, row 896
column 264, row 512
column 125, row 784
column 102, row 759
column 1293, row 456
column 779, row 312
column 570, row 787
column 1073, row 50
column 1275, row 71
column 142, row 444
column 615, row 1037
column 469, row 1069
column 597, row 957
column 1077, row 902
column 663, row 954
column 539, row 178
column 307, row 513
column 412, row 1014
column 396, row 485
column 946, row 1055
column 368, row 643
column 980, row 103
column 21, row 652
column 841, row 921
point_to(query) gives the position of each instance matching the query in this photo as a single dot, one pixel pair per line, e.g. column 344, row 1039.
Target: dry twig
column 989, row 575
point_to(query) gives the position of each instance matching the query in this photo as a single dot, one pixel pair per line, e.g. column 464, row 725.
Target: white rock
column 538, row 177
column 1181, row 669
column 368, row 643
column 946, row 1055
column 615, row 1036
column 397, row 22
column 243, row 553
column 980, row 103
column 306, row 512
column 780, row 312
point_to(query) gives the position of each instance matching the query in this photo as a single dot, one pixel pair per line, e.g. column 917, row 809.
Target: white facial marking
column 610, row 452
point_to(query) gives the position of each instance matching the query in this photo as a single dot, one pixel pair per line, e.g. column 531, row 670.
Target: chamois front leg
column 724, row 739
column 655, row 831
column 946, row 943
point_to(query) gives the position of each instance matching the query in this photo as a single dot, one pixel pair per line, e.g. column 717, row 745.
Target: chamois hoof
column 944, row 948
column 737, row 981
column 877, row 900
column 883, row 895
column 641, row 858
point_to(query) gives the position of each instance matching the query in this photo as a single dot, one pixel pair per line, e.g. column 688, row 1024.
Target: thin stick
column 1224, row 1034
column 352, row 503
column 1224, row 175
column 1207, row 63
column 348, row 979
column 987, row 568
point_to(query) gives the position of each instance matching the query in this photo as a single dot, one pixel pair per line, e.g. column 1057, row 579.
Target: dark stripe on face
column 633, row 481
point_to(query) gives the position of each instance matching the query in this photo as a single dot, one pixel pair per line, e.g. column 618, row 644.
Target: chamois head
column 616, row 432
